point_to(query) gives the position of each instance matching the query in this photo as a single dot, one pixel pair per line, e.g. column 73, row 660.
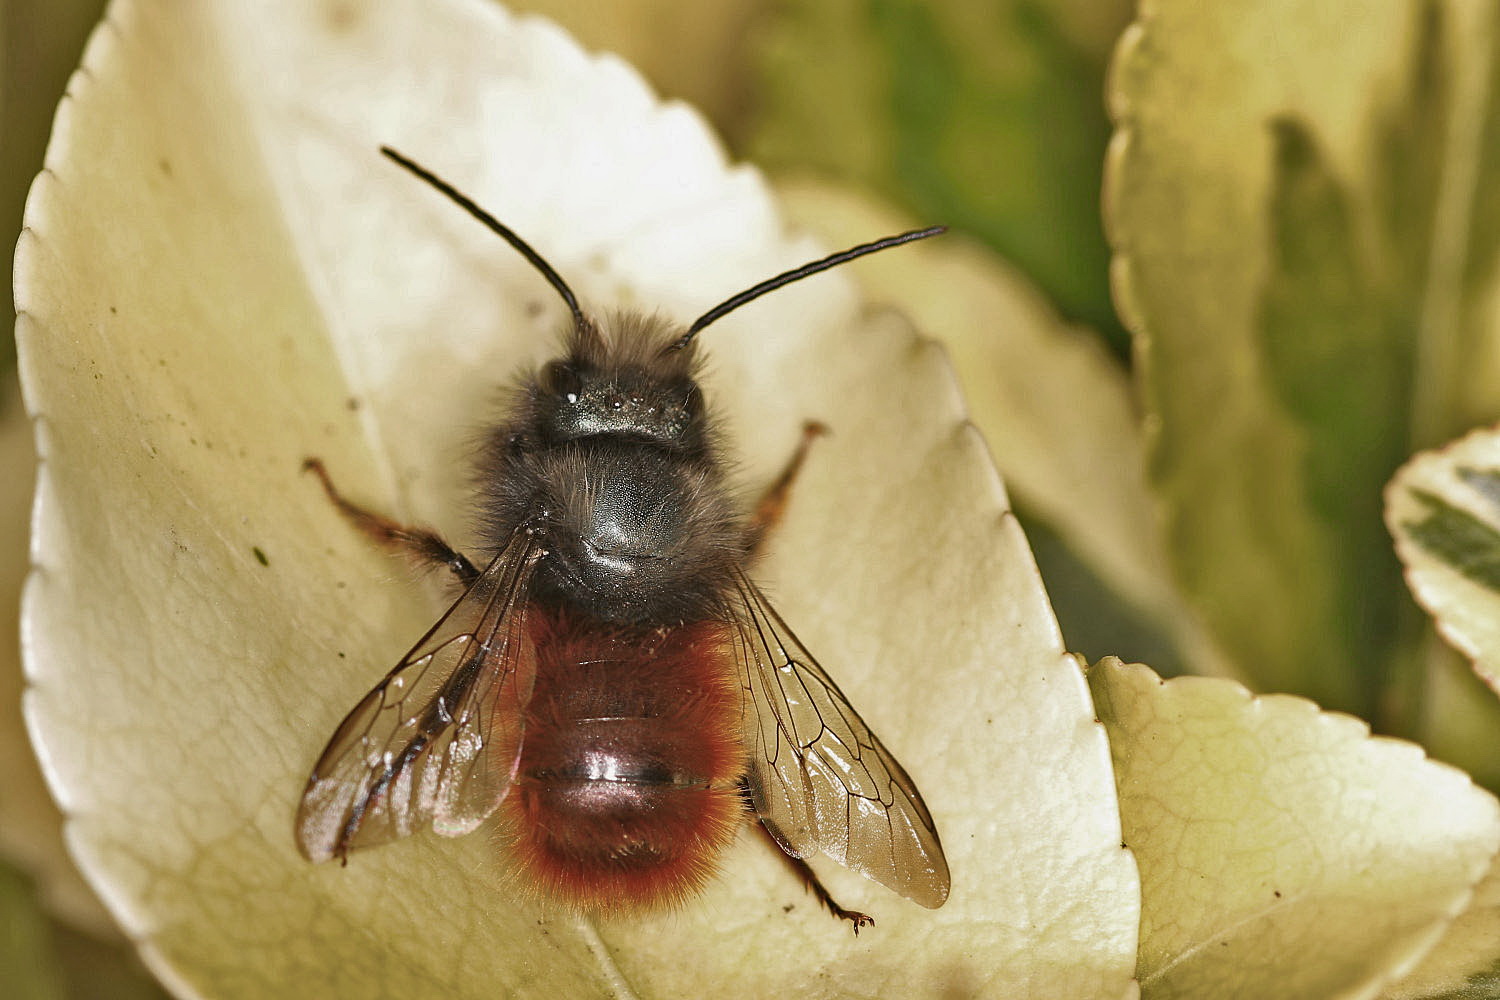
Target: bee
column 612, row 683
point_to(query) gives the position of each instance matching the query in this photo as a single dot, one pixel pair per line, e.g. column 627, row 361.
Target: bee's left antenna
column 505, row 232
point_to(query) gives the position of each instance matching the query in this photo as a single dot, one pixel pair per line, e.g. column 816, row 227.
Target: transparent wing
column 819, row 779
column 438, row 740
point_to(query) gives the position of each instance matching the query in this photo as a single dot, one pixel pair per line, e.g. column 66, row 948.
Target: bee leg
column 419, row 543
column 804, row 872
column 810, row 881
column 772, row 504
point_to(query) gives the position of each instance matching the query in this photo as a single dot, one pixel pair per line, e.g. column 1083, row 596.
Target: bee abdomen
column 627, row 788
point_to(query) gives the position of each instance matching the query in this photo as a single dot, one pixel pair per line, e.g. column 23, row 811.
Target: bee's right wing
column 819, row 779
column 438, row 740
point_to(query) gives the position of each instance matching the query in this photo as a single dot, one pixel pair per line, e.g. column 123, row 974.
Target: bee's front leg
column 420, row 543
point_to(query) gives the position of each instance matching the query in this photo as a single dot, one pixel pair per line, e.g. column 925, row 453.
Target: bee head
column 624, row 380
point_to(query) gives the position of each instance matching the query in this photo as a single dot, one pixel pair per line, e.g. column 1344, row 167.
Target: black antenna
column 796, row 274
column 505, row 232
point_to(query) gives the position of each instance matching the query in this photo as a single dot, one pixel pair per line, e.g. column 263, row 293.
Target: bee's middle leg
column 772, row 504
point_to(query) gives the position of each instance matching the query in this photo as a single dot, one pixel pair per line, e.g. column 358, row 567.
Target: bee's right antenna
column 504, row 231
column 796, row 274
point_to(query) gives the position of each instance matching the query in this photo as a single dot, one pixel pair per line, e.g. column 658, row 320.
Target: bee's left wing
column 436, row 742
column 819, row 779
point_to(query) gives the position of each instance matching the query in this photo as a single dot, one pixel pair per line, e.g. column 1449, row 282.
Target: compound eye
column 561, row 379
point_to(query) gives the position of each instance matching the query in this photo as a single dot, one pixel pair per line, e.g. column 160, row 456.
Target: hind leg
column 805, row 874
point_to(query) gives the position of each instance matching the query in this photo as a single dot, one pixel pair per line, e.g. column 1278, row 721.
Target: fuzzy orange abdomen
column 627, row 791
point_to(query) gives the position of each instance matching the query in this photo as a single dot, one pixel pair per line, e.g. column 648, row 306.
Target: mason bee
column 611, row 682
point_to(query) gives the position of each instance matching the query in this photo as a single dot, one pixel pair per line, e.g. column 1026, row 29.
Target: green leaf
column 1443, row 509
column 1283, row 850
column 1339, row 359
column 980, row 115
column 220, row 276
column 1296, row 199
column 1458, row 538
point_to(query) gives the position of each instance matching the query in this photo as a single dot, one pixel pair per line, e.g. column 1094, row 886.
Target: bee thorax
column 634, row 533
